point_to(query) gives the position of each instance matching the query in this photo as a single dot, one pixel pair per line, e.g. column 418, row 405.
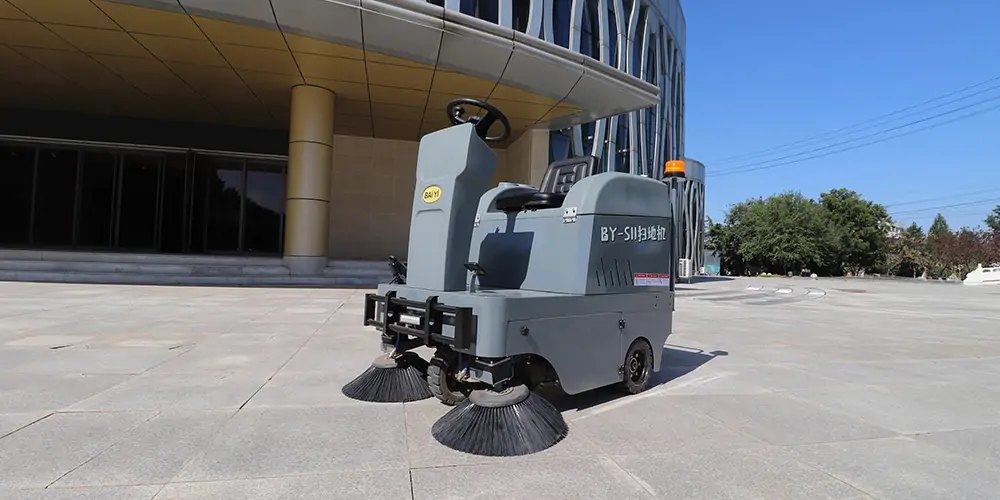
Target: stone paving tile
column 310, row 388
column 781, row 420
column 215, row 357
column 655, row 421
column 981, row 445
column 272, row 442
column 42, row 453
column 98, row 360
column 348, row 485
column 100, row 493
column 192, row 391
column 27, row 392
column 576, row 479
column 10, row 422
column 915, row 409
column 903, row 469
column 152, row 453
column 759, row 473
column 201, row 392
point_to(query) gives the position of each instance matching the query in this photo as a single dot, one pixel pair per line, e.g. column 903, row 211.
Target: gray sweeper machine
column 518, row 286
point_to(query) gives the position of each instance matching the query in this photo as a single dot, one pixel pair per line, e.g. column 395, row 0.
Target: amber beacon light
column 674, row 168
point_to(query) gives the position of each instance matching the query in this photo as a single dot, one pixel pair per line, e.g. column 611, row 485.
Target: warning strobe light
column 674, row 168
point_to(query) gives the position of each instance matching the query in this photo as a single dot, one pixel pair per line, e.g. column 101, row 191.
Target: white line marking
column 695, row 382
column 657, row 391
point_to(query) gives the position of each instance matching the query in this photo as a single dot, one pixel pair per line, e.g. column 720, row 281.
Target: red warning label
column 650, row 279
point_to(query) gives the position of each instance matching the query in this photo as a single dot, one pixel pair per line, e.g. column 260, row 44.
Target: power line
column 965, row 213
column 952, row 205
column 740, row 170
column 897, row 127
column 943, row 197
column 870, row 120
column 879, row 123
column 980, row 214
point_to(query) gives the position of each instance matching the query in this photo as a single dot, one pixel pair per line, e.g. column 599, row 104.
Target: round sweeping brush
column 391, row 379
column 509, row 423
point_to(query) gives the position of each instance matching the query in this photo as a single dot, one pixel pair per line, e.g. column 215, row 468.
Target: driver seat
column 559, row 177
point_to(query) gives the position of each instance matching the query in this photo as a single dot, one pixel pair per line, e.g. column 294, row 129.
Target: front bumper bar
column 422, row 320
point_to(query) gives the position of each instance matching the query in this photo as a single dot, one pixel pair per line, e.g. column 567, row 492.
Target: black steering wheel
column 483, row 123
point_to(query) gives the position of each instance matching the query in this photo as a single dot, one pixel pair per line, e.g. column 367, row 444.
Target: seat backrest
column 562, row 174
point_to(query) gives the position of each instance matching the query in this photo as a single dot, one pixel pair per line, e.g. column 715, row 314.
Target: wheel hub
column 636, row 367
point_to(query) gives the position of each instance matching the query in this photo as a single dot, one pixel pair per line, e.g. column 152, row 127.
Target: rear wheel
column 638, row 367
column 441, row 380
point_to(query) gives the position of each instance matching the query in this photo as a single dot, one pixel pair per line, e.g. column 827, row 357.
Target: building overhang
column 393, row 64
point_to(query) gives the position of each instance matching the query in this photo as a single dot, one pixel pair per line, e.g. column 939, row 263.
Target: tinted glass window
column 97, row 199
column 55, row 197
column 17, row 169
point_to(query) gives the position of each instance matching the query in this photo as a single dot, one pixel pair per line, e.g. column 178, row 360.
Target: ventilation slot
column 614, row 274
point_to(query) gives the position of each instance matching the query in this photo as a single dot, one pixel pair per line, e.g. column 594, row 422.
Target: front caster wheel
column 441, row 381
column 638, row 367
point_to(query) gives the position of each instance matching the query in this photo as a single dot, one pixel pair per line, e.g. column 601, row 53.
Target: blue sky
column 765, row 73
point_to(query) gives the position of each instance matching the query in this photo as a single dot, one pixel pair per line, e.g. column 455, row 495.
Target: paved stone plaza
column 776, row 389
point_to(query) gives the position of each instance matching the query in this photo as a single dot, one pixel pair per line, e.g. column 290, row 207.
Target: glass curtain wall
column 95, row 199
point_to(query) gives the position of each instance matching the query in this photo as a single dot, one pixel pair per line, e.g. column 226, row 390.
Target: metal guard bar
column 434, row 315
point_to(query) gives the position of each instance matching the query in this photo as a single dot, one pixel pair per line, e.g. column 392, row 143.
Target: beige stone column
column 528, row 157
column 310, row 159
column 538, row 155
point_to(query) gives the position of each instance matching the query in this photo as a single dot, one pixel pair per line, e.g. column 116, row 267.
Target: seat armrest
column 544, row 200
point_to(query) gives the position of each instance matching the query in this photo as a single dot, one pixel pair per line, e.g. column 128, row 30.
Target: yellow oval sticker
column 432, row 194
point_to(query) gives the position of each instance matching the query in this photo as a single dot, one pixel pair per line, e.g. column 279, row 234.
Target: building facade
column 690, row 214
column 289, row 128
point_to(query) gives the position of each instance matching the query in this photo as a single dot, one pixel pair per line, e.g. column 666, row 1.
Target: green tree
column 915, row 231
column 938, row 247
column 713, row 234
column 718, row 238
column 726, row 237
column 939, row 227
column 913, row 247
column 782, row 233
column 993, row 219
column 859, row 229
column 840, row 232
column 894, row 257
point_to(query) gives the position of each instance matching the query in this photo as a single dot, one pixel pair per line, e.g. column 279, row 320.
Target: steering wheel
column 482, row 124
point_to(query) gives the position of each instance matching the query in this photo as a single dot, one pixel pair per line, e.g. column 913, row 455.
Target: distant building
column 713, row 262
column 690, row 213
column 896, row 231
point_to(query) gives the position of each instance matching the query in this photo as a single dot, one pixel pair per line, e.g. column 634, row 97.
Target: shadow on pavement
column 709, row 279
column 677, row 362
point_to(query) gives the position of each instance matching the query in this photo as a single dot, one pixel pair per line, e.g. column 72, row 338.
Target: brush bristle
column 401, row 384
column 529, row 426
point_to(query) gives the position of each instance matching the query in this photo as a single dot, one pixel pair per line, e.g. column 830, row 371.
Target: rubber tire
column 509, row 397
column 646, row 351
column 437, row 382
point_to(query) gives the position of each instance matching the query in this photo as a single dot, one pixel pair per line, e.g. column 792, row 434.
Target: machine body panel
column 444, row 201
column 579, row 324
column 568, row 275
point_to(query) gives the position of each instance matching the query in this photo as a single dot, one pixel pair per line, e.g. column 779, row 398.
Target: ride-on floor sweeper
column 517, row 286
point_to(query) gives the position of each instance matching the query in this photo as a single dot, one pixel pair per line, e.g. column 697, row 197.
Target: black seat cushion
column 559, row 178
